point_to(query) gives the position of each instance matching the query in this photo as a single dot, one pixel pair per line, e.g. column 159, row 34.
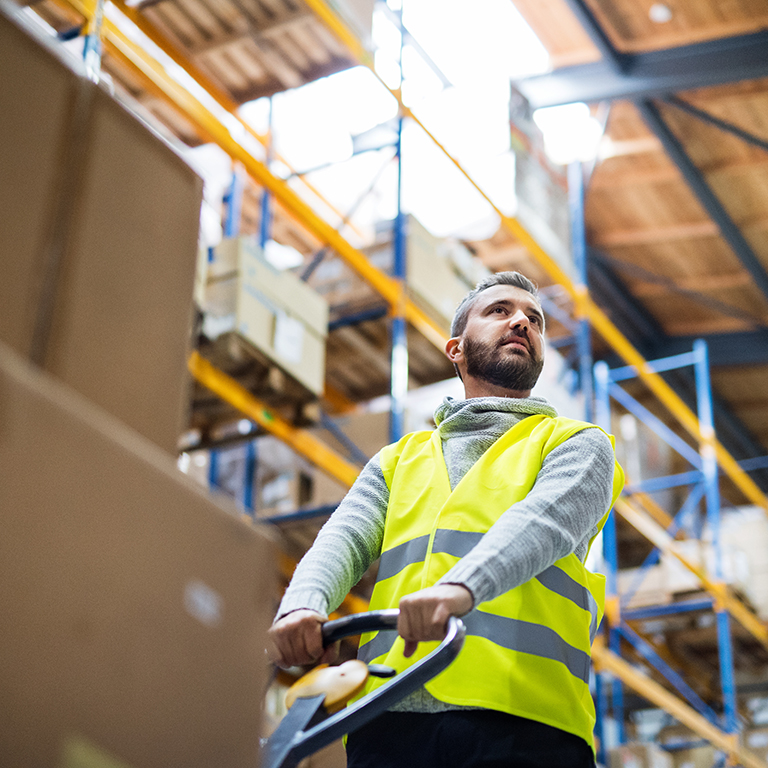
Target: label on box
column 289, row 338
column 203, row 603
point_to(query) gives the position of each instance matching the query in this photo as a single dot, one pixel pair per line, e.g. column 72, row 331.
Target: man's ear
column 454, row 350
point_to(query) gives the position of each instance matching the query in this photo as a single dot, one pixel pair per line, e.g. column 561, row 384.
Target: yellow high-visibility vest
column 527, row 651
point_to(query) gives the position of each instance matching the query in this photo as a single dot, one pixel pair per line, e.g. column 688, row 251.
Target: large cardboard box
column 98, row 239
column 134, row 608
column 284, row 319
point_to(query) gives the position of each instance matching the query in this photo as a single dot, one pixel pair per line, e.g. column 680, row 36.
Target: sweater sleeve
column 344, row 548
column 571, row 493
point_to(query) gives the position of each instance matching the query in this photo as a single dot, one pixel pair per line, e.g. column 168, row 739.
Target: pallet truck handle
column 379, row 701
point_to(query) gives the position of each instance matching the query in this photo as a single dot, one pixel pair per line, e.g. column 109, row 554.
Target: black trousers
column 464, row 739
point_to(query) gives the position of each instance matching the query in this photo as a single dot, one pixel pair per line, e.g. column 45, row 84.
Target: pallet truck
column 317, row 715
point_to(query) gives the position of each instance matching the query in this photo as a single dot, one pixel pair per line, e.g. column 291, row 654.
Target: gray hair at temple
column 514, row 279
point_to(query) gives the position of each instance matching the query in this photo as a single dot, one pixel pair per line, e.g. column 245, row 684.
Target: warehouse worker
column 488, row 517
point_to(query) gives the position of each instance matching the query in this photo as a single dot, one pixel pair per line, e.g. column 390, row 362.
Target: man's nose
column 519, row 320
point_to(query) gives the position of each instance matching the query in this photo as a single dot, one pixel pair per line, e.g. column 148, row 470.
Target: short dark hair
column 514, row 279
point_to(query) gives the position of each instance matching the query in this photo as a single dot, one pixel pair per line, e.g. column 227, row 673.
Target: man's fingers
column 410, row 648
column 297, row 638
column 330, row 654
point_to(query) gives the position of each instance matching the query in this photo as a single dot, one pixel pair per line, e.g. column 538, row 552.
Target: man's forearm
column 344, row 548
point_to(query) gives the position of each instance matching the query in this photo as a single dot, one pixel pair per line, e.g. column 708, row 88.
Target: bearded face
column 503, row 363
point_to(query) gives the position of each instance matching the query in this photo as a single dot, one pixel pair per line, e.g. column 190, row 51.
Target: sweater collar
column 483, row 409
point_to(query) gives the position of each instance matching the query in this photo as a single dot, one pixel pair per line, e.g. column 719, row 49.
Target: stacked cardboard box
column 134, row 607
column 274, row 310
column 433, row 278
column 98, row 239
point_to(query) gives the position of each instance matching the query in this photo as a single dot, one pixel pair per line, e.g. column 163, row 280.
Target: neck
column 478, row 388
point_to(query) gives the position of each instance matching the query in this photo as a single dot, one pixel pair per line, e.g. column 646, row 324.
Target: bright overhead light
column 570, row 132
column 660, row 13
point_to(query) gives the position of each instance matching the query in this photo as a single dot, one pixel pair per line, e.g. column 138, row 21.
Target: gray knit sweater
column 558, row 516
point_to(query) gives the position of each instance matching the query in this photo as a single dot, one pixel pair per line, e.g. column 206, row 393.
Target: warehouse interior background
column 271, row 318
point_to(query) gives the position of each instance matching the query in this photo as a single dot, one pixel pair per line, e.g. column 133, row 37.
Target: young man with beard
column 488, row 517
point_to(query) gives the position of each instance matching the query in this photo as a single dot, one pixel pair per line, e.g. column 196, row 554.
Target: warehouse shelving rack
column 212, row 126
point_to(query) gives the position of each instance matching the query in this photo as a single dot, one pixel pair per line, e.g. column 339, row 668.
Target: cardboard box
column 756, row 741
column 134, row 607
column 639, row 755
column 430, row 277
column 285, row 319
column 695, row 757
column 85, row 180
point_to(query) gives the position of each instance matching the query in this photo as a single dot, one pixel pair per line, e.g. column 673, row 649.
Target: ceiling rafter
column 649, row 75
column 699, row 186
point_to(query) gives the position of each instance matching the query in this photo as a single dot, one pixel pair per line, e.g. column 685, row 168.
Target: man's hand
column 296, row 639
column 424, row 614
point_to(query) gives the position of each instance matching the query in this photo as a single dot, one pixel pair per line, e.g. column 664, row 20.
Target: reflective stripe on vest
column 527, row 651
column 460, row 543
column 522, row 636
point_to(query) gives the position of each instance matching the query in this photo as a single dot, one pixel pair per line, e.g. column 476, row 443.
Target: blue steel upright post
column 610, row 556
column 265, row 223
column 712, row 492
column 579, row 250
column 399, row 337
column 92, row 46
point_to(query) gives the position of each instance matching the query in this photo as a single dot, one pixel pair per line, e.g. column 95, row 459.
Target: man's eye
column 535, row 319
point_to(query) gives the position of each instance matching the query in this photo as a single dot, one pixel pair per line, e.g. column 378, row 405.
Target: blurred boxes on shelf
column 282, row 481
column 679, row 579
column 745, row 529
column 135, row 608
column 100, row 225
column 274, row 310
column 686, row 747
column 756, row 741
column 704, row 756
column 639, row 755
column 670, row 579
column 430, row 277
column 437, row 273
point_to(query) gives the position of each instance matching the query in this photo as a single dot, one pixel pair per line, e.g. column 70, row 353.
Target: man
column 489, row 517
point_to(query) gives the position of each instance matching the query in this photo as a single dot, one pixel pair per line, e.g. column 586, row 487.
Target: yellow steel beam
column 584, row 305
column 301, row 440
column 217, row 93
column 607, row 661
column 724, row 596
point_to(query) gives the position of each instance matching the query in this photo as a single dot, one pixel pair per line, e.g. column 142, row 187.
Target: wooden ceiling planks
column 559, row 31
column 630, row 27
column 249, row 48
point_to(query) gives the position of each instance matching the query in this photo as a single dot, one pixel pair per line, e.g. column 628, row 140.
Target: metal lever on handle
column 379, row 701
